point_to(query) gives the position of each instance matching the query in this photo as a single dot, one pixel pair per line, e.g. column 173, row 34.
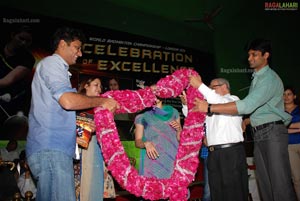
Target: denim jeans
column 54, row 173
column 206, row 191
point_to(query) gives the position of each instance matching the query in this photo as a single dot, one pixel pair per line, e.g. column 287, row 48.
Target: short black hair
column 67, row 34
column 260, row 44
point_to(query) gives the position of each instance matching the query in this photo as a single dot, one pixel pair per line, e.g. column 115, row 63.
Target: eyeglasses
column 216, row 85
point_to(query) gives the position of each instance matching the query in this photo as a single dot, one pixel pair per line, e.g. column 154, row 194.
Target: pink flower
column 186, row 162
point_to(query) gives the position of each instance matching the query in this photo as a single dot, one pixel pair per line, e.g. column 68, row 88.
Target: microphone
column 6, row 97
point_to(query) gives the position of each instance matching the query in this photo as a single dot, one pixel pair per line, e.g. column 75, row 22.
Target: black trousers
column 228, row 175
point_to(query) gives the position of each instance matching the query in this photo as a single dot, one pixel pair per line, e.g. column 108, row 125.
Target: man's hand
column 200, row 105
column 110, row 104
column 195, row 81
column 151, row 151
column 245, row 123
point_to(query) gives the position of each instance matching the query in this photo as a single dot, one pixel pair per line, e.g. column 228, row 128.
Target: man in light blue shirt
column 265, row 105
column 51, row 138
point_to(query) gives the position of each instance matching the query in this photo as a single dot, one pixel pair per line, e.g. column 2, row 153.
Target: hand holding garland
column 187, row 160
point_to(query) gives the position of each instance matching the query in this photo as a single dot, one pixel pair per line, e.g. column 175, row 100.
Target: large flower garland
column 186, row 162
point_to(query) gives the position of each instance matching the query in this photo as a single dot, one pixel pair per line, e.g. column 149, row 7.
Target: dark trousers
column 271, row 158
column 228, row 176
column 8, row 184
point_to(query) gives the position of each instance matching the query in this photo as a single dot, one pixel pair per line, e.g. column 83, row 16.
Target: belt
column 223, row 146
column 256, row 128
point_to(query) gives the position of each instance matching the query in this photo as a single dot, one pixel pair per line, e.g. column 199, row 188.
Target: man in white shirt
column 227, row 166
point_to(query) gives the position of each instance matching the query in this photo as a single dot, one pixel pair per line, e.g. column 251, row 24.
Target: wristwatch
column 209, row 113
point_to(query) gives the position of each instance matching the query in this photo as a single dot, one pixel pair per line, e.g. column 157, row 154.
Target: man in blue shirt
column 268, row 119
column 51, row 138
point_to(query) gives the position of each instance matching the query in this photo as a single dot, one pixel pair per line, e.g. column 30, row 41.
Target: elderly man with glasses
column 227, row 166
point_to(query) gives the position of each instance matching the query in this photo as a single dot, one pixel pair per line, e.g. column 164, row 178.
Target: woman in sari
column 157, row 133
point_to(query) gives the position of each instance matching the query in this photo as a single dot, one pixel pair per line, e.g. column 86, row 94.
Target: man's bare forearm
column 74, row 101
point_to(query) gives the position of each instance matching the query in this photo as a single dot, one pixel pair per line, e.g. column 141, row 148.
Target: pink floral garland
column 186, row 162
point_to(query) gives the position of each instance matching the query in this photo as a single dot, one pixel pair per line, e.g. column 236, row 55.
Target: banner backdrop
column 134, row 61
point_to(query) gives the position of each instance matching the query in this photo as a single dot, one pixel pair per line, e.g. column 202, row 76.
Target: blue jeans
column 54, row 173
column 206, row 191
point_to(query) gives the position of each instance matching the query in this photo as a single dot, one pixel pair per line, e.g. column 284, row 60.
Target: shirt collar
column 261, row 71
column 62, row 60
